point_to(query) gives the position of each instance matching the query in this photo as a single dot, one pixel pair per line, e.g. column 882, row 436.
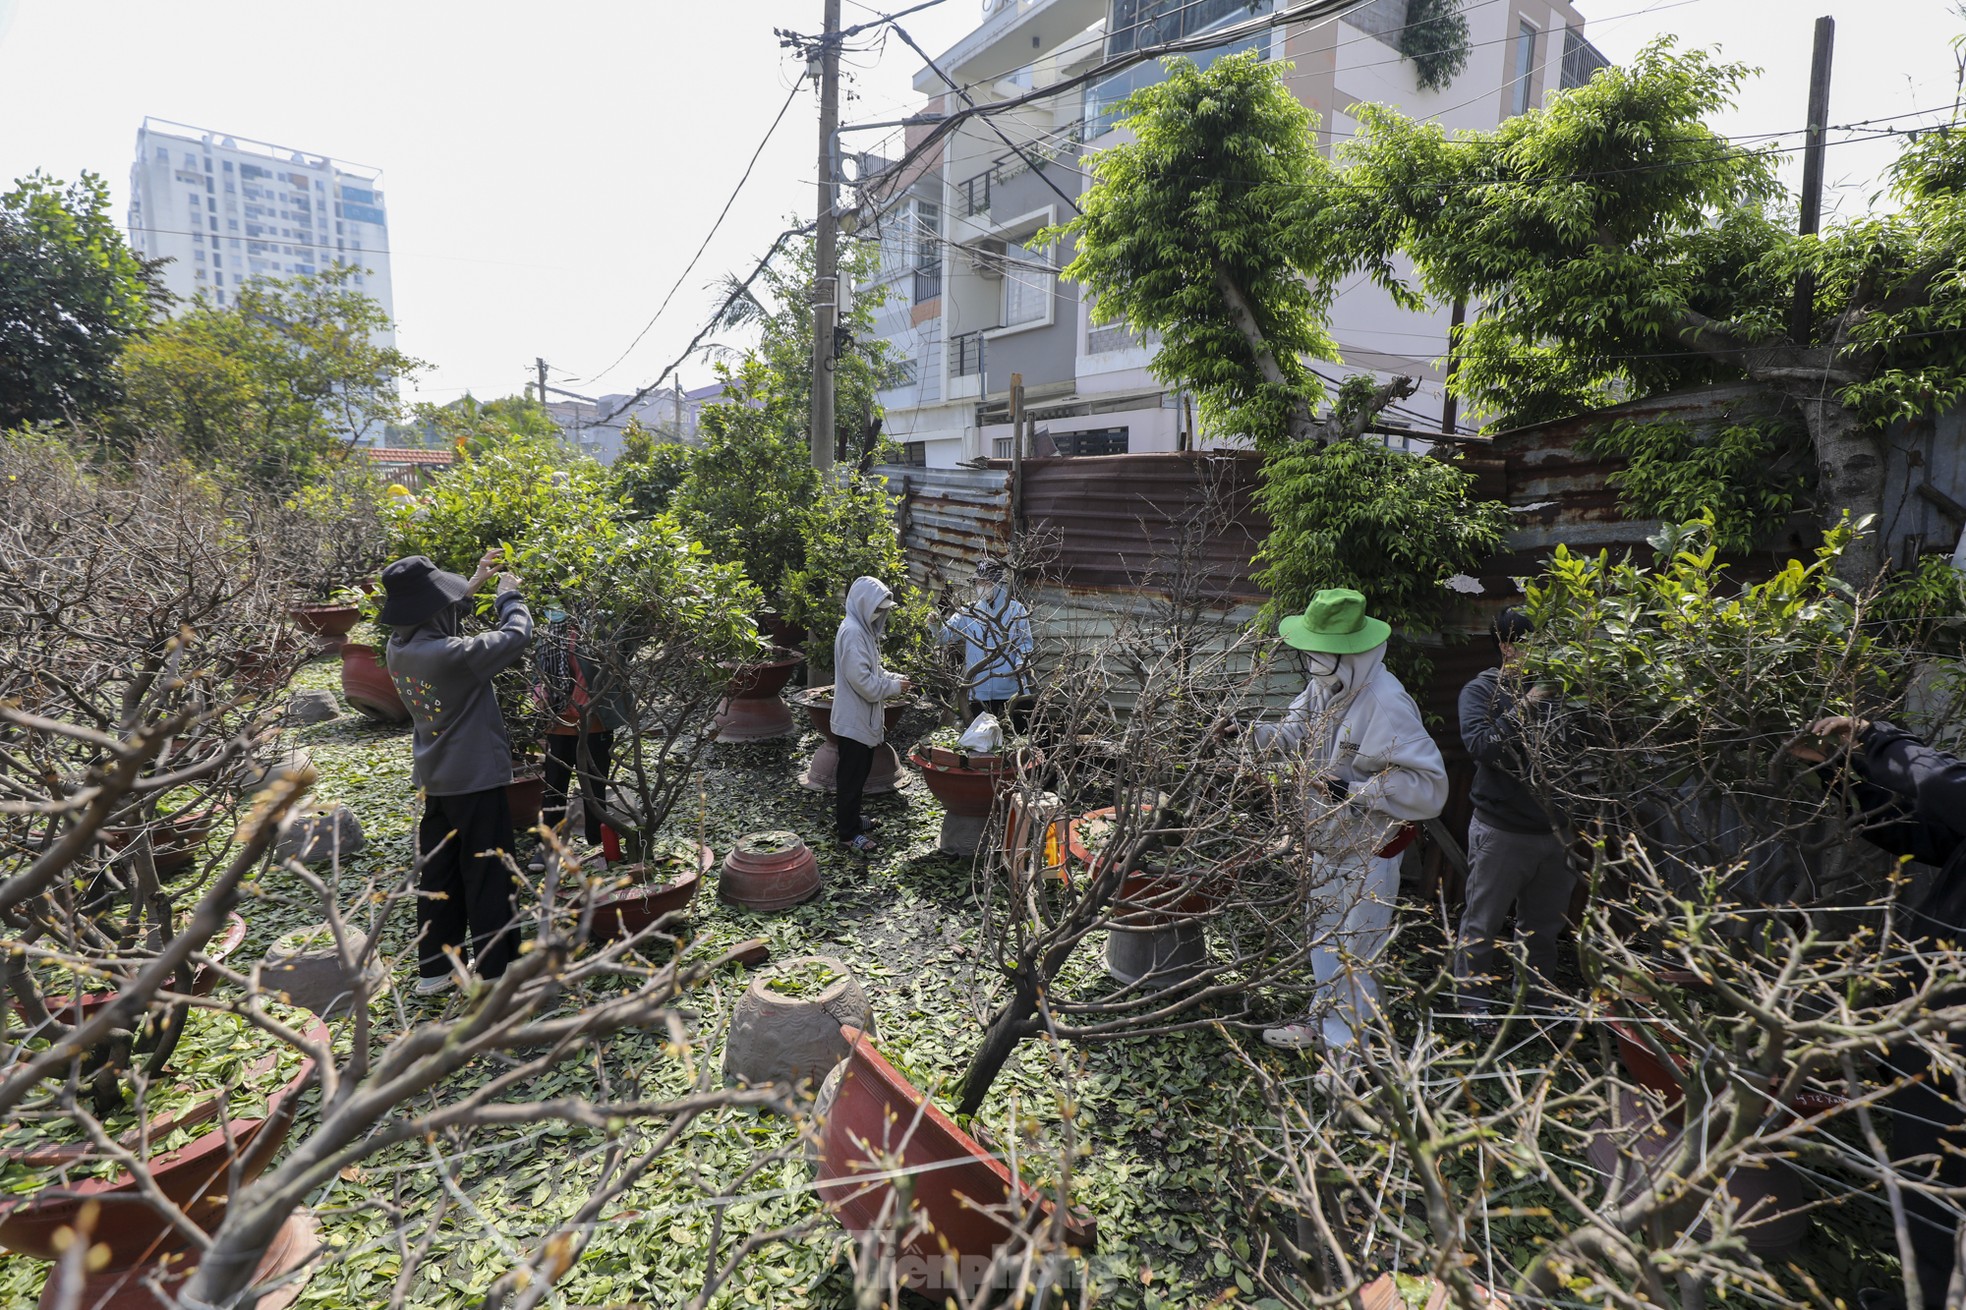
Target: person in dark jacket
column 582, row 686
column 1911, row 800
column 462, row 761
column 1515, row 856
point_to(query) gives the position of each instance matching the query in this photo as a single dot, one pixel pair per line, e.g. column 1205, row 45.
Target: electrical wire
column 715, row 227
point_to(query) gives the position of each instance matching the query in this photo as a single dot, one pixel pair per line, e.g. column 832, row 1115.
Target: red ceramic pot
column 967, row 785
column 203, row 977
column 525, row 793
column 1146, row 899
column 769, row 871
column 626, row 912
column 875, row 1123
column 781, row 630
column 823, row 770
column 330, row 622
column 197, row 1178
column 751, row 709
column 366, row 684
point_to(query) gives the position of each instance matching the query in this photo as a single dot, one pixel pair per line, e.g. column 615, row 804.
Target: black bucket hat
column 416, row 591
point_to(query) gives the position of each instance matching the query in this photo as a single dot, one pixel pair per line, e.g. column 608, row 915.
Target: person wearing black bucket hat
column 462, row 761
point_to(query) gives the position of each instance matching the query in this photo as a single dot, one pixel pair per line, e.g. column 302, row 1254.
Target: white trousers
column 1351, row 921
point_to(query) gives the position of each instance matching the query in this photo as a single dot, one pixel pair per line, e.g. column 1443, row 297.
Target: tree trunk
column 1849, row 476
column 1005, row 1031
column 1302, row 428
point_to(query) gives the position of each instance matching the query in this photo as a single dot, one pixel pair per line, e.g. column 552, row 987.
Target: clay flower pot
column 174, row 839
column 796, row 1040
column 366, row 684
column 197, row 1178
column 769, row 871
column 331, row 623
column 651, row 894
column 751, row 709
column 1156, row 938
column 1667, row 1077
column 1036, row 834
column 1147, row 897
column 874, row 1123
column 823, row 770
column 968, row 786
column 525, row 793
column 203, row 978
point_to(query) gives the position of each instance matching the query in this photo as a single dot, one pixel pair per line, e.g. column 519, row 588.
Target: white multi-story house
column 224, row 210
column 967, row 303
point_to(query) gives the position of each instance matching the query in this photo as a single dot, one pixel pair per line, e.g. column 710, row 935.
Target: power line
column 715, row 227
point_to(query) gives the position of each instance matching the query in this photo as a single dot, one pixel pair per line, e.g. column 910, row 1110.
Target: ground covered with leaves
column 438, row 1221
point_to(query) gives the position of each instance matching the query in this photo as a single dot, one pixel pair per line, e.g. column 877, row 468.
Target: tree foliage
column 1619, row 246
column 1211, row 228
column 1435, row 38
column 849, row 532
column 521, row 491
column 649, row 470
column 479, row 426
column 72, row 295
column 272, row 384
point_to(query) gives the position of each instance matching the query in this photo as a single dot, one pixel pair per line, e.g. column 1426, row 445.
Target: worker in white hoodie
column 1375, row 775
column 861, row 689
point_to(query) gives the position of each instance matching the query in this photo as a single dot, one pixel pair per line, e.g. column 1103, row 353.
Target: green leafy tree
column 1620, row 246
column 72, row 295
column 522, row 491
column 751, row 484
column 1435, row 38
column 649, row 470
column 1221, row 228
column 849, row 533
column 480, row 426
column 288, row 375
column 782, row 313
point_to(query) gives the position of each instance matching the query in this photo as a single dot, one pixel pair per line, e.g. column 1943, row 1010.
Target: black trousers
column 562, row 761
column 1928, row 1121
column 856, row 761
column 468, row 889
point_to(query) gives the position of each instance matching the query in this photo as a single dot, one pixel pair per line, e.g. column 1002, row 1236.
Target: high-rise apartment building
column 967, row 301
column 225, row 210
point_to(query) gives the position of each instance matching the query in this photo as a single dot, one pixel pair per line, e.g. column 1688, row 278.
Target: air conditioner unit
column 986, row 261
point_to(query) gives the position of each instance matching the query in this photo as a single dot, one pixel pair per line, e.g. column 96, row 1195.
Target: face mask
column 1322, row 668
column 984, row 590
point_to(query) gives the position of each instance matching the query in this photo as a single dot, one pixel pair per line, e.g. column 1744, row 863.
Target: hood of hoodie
column 864, row 600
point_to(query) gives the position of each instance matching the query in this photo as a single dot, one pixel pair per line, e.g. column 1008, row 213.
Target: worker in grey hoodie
column 860, row 692
column 462, row 761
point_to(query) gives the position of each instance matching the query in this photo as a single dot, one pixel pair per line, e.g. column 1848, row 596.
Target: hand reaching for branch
column 1835, row 732
column 487, row 564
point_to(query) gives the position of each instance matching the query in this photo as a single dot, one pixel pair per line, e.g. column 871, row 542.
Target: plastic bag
column 984, row 735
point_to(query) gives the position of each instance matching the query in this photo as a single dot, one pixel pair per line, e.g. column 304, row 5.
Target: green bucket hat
column 1335, row 623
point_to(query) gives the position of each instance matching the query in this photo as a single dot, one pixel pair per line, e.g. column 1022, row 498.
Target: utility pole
column 541, row 365
column 1803, row 319
column 1450, row 408
column 678, row 383
column 826, row 277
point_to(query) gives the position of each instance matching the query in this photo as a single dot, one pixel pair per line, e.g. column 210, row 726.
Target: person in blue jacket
column 995, row 632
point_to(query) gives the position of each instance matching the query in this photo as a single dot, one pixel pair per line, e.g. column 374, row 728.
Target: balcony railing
column 974, row 194
column 966, row 352
column 928, row 283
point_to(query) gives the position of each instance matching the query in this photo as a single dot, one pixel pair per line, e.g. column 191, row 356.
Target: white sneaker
column 1305, row 1034
column 435, row 986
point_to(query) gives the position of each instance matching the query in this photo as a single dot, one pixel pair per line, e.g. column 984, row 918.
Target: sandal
column 863, row 845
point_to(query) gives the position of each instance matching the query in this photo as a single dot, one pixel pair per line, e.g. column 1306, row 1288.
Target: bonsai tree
column 655, row 619
column 332, row 533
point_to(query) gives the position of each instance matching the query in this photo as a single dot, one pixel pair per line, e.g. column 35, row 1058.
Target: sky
column 551, row 170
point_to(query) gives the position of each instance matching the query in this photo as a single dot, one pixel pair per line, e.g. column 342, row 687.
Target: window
column 199, row 255
column 1525, row 65
column 232, row 224
column 928, row 251
column 211, row 204
column 228, row 166
column 163, row 154
column 1000, row 448
column 1026, row 287
column 198, row 238
column 221, row 297
column 1105, row 441
column 218, row 260
column 220, row 277
column 914, row 454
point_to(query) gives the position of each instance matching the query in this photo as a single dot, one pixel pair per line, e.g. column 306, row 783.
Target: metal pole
column 1450, row 407
column 1016, row 455
column 1802, row 320
column 826, row 280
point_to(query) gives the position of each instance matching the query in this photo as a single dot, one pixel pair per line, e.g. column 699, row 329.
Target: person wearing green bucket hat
column 1376, row 774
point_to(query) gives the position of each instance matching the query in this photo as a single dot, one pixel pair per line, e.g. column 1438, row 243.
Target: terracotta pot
column 366, row 684
column 203, row 978
column 174, row 840
column 795, row 1040
column 751, row 709
column 769, row 871
column 330, row 622
column 781, row 630
column 875, row 1121
column 1668, row 1077
column 524, row 794
column 967, row 785
column 823, row 770
column 1650, row 1138
column 1146, row 898
column 641, row 905
column 196, row 1177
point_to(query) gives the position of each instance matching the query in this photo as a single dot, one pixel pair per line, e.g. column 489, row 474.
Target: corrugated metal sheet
column 1925, row 487
column 950, row 520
